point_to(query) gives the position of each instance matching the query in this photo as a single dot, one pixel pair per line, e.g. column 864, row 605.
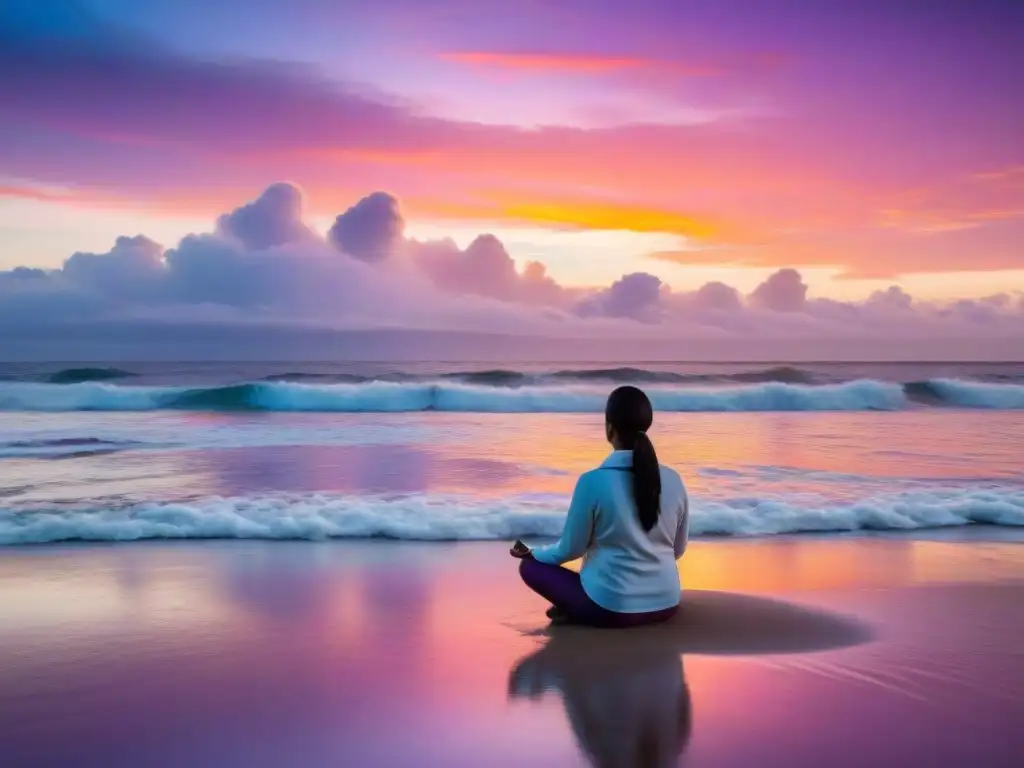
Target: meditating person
column 628, row 520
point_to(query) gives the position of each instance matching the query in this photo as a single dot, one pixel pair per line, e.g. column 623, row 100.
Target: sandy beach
column 790, row 651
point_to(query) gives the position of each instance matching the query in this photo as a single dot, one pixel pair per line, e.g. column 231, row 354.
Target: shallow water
column 449, row 475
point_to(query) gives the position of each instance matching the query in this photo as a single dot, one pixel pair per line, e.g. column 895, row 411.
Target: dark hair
column 630, row 414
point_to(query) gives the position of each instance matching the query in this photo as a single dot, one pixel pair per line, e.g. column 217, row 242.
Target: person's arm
column 683, row 527
column 579, row 527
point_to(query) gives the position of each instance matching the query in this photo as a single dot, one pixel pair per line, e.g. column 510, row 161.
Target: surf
column 458, row 396
column 425, row 517
column 386, row 396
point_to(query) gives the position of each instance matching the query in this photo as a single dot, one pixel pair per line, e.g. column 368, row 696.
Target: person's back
column 629, row 522
column 626, row 568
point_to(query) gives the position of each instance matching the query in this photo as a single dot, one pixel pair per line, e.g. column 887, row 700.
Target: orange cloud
column 672, row 178
column 933, row 222
column 720, row 190
column 1013, row 174
column 593, row 215
column 976, row 200
column 38, row 194
column 869, row 252
column 355, row 155
column 571, row 63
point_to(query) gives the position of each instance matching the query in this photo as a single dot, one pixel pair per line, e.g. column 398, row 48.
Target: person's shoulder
column 598, row 479
column 588, row 478
column 591, row 476
column 669, row 471
column 669, row 475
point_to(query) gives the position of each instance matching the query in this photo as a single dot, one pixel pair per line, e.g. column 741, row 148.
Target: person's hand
column 520, row 550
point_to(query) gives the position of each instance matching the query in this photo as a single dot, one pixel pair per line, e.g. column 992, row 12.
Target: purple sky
column 819, row 166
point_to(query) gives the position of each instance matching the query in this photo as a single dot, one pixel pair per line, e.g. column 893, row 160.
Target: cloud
column 711, row 297
column 591, row 214
column 370, row 229
column 970, row 222
column 274, row 218
column 637, row 296
column 485, row 268
column 963, row 202
column 637, row 70
column 262, row 267
column 893, row 298
column 26, row 274
column 373, row 229
column 784, row 291
column 547, row 62
column 261, row 262
column 108, row 84
column 39, row 194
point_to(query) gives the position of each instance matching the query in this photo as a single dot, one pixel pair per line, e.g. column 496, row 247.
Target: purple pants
column 562, row 588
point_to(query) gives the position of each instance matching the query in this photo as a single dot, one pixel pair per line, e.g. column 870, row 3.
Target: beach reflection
column 625, row 692
column 722, row 456
column 385, row 654
column 838, row 457
column 360, row 469
column 625, row 708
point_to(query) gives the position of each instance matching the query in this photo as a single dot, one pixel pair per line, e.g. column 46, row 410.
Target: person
column 628, row 520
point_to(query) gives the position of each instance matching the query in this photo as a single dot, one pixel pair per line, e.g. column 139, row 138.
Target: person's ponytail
column 628, row 415
column 646, row 481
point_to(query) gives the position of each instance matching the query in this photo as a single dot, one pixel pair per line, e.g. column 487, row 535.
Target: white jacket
column 625, row 568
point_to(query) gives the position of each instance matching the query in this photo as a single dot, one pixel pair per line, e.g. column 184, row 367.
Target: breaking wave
column 76, row 375
column 969, row 394
column 378, row 396
column 433, row 518
column 386, row 396
column 333, row 378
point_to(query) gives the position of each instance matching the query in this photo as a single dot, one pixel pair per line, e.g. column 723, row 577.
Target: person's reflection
column 624, row 691
column 628, row 705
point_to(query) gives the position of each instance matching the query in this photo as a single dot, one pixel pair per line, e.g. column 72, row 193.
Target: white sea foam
column 440, row 518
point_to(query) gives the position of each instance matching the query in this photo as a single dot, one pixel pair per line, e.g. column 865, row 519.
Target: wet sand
column 790, row 651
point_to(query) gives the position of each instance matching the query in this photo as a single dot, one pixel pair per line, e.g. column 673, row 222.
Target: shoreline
column 951, row 534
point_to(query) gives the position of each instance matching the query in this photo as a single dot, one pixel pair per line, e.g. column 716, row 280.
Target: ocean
column 444, row 451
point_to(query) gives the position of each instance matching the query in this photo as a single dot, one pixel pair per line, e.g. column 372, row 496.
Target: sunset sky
column 865, row 144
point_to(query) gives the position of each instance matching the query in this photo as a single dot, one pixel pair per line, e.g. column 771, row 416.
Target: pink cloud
column 579, row 63
column 784, row 291
column 273, row 269
column 485, row 268
column 373, row 230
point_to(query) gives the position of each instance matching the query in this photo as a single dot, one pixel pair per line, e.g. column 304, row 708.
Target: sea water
column 446, row 451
